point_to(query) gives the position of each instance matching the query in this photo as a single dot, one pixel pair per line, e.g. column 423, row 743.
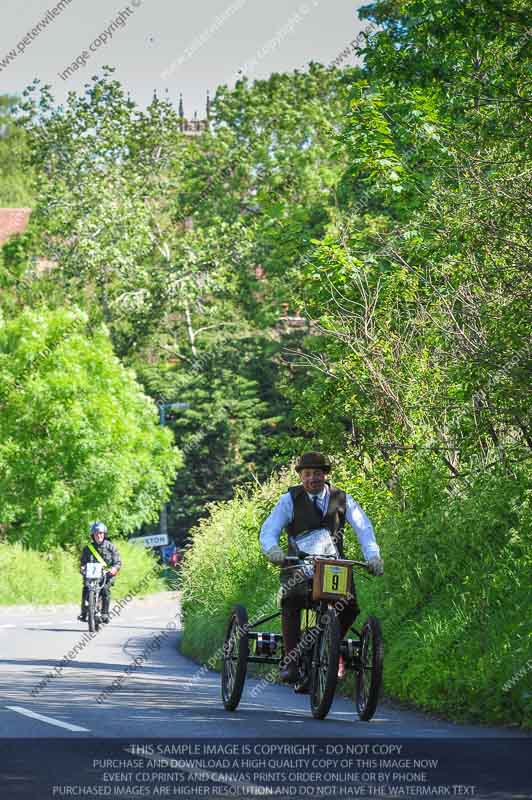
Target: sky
column 168, row 45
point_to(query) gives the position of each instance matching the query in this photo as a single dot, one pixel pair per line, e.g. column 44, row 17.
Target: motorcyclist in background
column 102, row 550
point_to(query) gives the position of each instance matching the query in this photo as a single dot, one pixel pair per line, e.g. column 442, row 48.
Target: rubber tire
column 321, row 700
column 91, row 611
column 232, row 692
column 98, row 618
column 371, row 630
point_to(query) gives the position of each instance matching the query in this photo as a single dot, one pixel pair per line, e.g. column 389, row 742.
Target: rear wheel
column 325, row 665
column 235, row 658
column 369, row 675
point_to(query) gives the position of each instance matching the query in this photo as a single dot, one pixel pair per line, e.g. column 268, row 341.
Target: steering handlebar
column 294, row 561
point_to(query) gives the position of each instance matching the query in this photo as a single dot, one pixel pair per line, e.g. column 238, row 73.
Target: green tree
column 419, row 288
column 105, row 175
column 15, row 181
column 78, row 438
column 226, row 432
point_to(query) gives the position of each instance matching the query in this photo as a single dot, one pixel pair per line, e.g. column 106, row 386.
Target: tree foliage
column 15, row 182
column 419, row 290
column 181, row 247
column 340, row 260
column 78, row 438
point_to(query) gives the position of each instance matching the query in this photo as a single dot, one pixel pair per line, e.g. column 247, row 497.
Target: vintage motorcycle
column 95, row 578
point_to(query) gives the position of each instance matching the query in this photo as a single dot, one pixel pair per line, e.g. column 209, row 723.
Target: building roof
column 12, row 221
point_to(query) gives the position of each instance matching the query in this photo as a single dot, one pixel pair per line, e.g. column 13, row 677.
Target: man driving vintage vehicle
column 104, row 552
column 314, row 514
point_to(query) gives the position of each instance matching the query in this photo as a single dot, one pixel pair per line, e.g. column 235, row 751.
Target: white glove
column 376, row 565
column 275, row 554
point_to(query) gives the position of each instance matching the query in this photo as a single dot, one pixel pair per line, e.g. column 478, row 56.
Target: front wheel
column 369, row 674
column 235, row 658
column 325, row 664
column 93, row 621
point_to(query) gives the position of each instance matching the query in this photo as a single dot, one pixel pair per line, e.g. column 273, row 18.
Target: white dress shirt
column 283, row 514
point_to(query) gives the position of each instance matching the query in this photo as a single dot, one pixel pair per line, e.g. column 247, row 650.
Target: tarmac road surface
column 129, row 683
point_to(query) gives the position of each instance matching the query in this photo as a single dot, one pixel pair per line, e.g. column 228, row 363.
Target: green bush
column 225, row 566
column 454, row 602
column 32, row 577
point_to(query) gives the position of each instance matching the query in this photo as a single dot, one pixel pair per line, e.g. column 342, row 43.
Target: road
column 165, row 695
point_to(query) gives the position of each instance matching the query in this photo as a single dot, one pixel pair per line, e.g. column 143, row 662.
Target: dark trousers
column 291, row 618
column 106, row 596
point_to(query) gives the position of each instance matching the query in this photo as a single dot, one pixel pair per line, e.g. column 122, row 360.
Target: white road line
column 209, row 719
column 31, row 624
column 49, row 720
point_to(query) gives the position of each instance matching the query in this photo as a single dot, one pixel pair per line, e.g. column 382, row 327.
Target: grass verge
column 30, row 577
column 454, row 604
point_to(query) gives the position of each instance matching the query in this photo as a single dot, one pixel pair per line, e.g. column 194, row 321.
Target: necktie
column 316, row 506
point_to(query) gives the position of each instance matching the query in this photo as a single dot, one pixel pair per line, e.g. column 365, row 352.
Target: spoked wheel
column 369, row 675
column 99, row 611
column 325, row 665
column 93, row 623
column 235, row 658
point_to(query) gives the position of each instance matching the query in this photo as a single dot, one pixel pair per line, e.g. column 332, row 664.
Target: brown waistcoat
column 306, row 517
